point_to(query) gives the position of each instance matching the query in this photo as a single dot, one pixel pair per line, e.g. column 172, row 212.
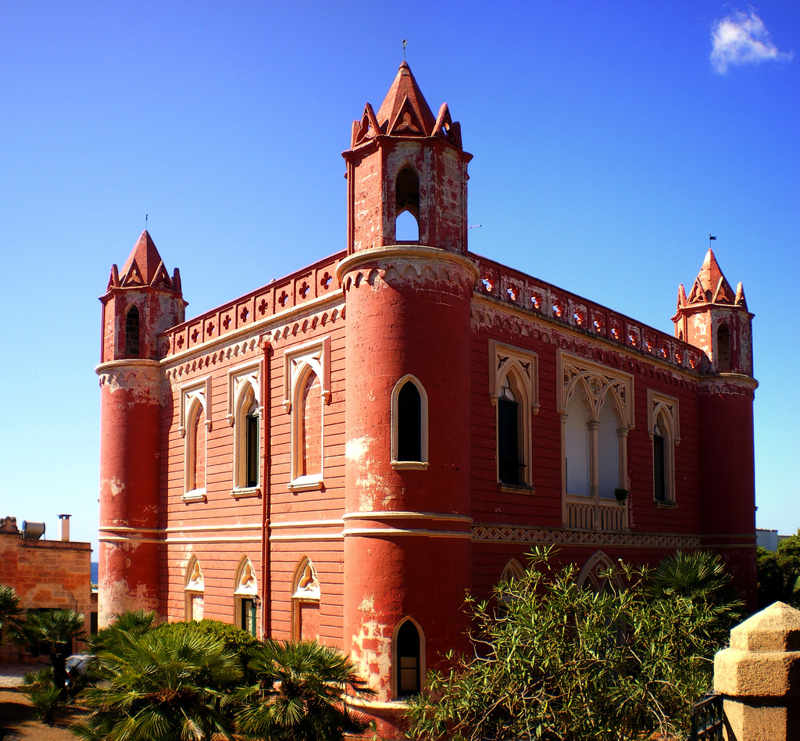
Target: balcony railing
column 586, row 513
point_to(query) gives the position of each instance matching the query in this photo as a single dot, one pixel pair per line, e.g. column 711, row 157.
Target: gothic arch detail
column 306, row 594
column 592, row 573
column 408, row 657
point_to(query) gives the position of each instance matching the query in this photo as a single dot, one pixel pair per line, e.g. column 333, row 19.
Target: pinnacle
column 710, row 271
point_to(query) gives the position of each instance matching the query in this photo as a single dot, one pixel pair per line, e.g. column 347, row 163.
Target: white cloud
column 742, row 38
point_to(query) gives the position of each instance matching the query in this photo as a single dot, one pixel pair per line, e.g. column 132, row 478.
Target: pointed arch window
column 597, row 572
column 194, row 590
column 407, row 205
column 663, row 421
column 305, row 602
column 409, row 653
column 246, row 597
column 194, row 426
column 307, row 388
column 244, row 414
column 513, row 375
column 132, row 333
column 409, row 417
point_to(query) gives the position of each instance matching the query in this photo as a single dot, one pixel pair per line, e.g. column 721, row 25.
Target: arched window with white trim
column 409, row 419
column 247, row 440
column 663, row 423
column 246, row 597
column 308, row 428
column 306, row 595
column 409, row 657
column 194, row 590
column 195, row 450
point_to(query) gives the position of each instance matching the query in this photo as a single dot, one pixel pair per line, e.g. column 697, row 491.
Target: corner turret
column 715, row 318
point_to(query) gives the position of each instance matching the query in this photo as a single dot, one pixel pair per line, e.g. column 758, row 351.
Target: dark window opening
column 251, row 447
column 407, row 200
column 247, row 615
column 723, row 348
column 132, row 333
column 508, row 438
column 409, row 423
column 659, row 466
column 408, row 660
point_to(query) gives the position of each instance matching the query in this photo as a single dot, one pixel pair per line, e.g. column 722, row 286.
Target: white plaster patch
column 356, row 448
column 116, row 485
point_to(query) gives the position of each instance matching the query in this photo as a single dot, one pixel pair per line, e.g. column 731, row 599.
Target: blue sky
column 609, row 140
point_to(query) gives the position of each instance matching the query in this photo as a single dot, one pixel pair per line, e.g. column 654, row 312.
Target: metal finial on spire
column 711, row 237
column 146, row 220
column 405, row 44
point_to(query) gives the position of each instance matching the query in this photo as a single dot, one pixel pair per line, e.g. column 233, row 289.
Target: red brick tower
column 715, row 318
column 407, row 524
column 140, row 302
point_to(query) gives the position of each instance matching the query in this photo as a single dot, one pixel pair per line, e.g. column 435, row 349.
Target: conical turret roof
column 144, row 267
column 711, row 285
column 404, row 93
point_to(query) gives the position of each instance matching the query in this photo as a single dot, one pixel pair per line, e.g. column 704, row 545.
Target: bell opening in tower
column 407, row 206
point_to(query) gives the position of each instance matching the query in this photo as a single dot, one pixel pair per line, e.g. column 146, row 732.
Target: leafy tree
column 298, row 694
column 52, row 632
column 779, row 573
column 557, row 661
column 170, row 685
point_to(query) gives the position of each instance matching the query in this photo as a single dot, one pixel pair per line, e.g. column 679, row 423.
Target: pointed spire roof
column 711, row 285
column 405, row 96
column 144, row 267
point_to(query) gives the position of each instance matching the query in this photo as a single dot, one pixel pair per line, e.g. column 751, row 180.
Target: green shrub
column 47, row 699
column 555, row 660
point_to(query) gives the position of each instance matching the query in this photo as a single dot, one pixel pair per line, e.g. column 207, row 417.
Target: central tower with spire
column 405, row 159
column 407, row 548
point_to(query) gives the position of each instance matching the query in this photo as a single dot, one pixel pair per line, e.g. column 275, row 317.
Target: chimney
column 64, row 526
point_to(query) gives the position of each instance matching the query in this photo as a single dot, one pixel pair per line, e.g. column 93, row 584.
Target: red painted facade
column 255, row 463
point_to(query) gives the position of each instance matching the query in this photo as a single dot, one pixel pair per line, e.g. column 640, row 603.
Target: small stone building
column 45, row 574
column 339, row 454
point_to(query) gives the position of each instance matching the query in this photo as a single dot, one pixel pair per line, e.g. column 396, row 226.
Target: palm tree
column 299, row 694
column 53, row 632
column 162, row 686
column 135, row 622
column 9, row 608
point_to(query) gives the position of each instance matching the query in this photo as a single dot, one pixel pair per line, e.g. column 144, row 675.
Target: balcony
column 587, row 513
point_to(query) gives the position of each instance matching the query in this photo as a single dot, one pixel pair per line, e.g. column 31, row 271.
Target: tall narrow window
column 309, row 421
column 247, row 443
column 132, row 333
column 407, row 205
column 409, row 417
column 245, row 596
column 608, row 451
column 305, row 603
column 659, row 465
column 408, row 660
column 577, row 447
column 723, row 348
column 194, row 588
column 508, row 437
column 409, row 422
column 197, row 472
column 251, row 445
